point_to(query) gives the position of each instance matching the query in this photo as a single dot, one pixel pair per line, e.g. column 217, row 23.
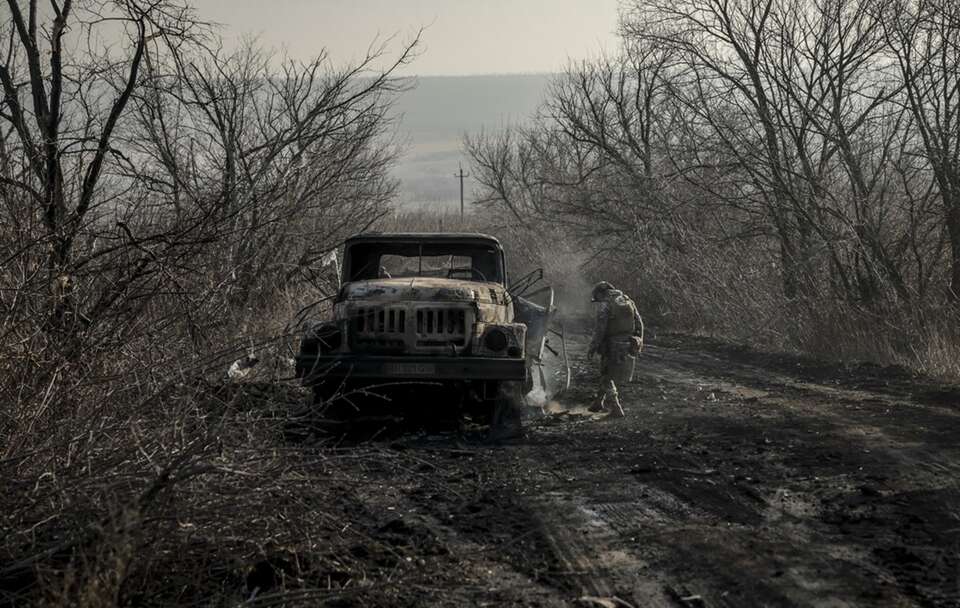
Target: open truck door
column 534, row 307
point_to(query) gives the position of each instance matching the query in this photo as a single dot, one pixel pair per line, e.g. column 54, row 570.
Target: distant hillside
column 435, row 115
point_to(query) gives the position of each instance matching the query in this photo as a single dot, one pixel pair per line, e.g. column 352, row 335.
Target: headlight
column 495, row 340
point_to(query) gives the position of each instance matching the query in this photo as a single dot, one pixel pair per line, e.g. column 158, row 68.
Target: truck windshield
column 443, row 260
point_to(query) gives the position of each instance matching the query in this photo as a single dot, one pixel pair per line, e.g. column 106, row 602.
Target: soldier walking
column 618, row 338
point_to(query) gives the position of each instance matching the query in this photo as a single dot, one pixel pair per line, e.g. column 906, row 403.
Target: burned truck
column 424, row 309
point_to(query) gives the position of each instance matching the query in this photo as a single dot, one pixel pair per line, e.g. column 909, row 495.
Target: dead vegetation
column 160, row 198
column 208, row 494
column 166, row 206
column 778, row 173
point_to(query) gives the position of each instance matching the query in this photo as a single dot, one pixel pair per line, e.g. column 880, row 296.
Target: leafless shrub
column 769, row 171
column 164, row 207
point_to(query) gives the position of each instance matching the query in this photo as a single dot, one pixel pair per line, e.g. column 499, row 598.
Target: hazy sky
column 461, row 36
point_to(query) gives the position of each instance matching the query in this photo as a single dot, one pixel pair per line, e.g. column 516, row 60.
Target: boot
column 616, row 410
column 597, row 405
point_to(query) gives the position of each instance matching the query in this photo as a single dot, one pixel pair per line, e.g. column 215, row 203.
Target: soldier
column 618, row 337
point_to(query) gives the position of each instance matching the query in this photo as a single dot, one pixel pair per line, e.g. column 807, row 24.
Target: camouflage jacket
column 602, row 336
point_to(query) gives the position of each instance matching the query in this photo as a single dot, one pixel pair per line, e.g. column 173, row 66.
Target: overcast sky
column 461, row 36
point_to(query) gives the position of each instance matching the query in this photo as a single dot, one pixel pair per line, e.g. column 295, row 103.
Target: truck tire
column 506, row 417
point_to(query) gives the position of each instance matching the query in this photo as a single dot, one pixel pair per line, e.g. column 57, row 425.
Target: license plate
column 410, row 369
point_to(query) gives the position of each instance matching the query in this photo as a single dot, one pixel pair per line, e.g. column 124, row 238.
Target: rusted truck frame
column 454, row 322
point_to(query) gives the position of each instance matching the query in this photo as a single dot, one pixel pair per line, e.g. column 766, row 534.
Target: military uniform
column 617, row 337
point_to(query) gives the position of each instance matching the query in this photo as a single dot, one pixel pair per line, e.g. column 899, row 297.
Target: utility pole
column 461, row 175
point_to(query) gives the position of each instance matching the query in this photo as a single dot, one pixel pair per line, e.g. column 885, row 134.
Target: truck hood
column 424, row 289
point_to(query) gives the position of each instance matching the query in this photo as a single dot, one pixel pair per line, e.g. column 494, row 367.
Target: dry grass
column 202, row 492
column 145, row 477
column 731, row 292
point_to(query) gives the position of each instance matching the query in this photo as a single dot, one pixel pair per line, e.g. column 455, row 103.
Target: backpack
column 622, row 313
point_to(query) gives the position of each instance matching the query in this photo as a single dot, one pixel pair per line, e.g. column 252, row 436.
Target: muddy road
column 737, row 479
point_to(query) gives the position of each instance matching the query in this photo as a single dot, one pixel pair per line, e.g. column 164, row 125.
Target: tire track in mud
column 583, row 537
column 728, row 484
column 635, row 529
column 887, row 502
column 845, row 513
column 852, row 412
column 514, row 519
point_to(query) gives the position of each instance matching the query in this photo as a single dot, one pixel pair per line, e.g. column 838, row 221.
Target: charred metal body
column 421, row 307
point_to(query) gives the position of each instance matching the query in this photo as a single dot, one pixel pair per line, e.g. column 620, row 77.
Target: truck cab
column 418, row 307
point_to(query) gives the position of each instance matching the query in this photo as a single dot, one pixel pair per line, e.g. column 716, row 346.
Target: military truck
column 424, row 309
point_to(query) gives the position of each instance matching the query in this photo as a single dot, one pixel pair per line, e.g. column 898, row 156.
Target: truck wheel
column 506, row 420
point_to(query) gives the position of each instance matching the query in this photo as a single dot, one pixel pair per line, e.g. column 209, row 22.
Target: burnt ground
column 737, row 479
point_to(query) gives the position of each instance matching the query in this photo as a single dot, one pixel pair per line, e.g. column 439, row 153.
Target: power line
column 461, row 175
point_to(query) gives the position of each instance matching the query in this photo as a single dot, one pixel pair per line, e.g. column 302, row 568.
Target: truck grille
column 399, row 329
column 380, row 320
column 441, row 322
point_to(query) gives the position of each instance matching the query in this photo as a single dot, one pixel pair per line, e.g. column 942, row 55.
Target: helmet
column 600, row 291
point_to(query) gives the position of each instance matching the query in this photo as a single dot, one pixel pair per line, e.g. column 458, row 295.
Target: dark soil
column 737, row 479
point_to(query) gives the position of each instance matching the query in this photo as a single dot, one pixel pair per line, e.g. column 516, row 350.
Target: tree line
column 149, row 178
column 165, row 200
column 805, row 151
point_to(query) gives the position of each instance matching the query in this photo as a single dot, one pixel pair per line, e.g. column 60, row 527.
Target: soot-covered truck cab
column 421, row 308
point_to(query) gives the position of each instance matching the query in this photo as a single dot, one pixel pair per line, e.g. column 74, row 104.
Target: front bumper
column 312, row 368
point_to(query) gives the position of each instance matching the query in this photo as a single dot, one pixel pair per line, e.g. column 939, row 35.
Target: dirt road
column 737, row 479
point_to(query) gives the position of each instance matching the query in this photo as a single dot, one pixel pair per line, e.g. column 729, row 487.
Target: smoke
column 541, row 399
column 546, row 396
column 570, row 267
column 565, row 270
column 565, row 267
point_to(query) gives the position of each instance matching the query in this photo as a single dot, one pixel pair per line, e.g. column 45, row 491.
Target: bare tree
column 65, row 113
column 293, row 157
column 801, row 98
column 595, row 160
column 173, row 179
column 924, row 38
column 732, row 142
